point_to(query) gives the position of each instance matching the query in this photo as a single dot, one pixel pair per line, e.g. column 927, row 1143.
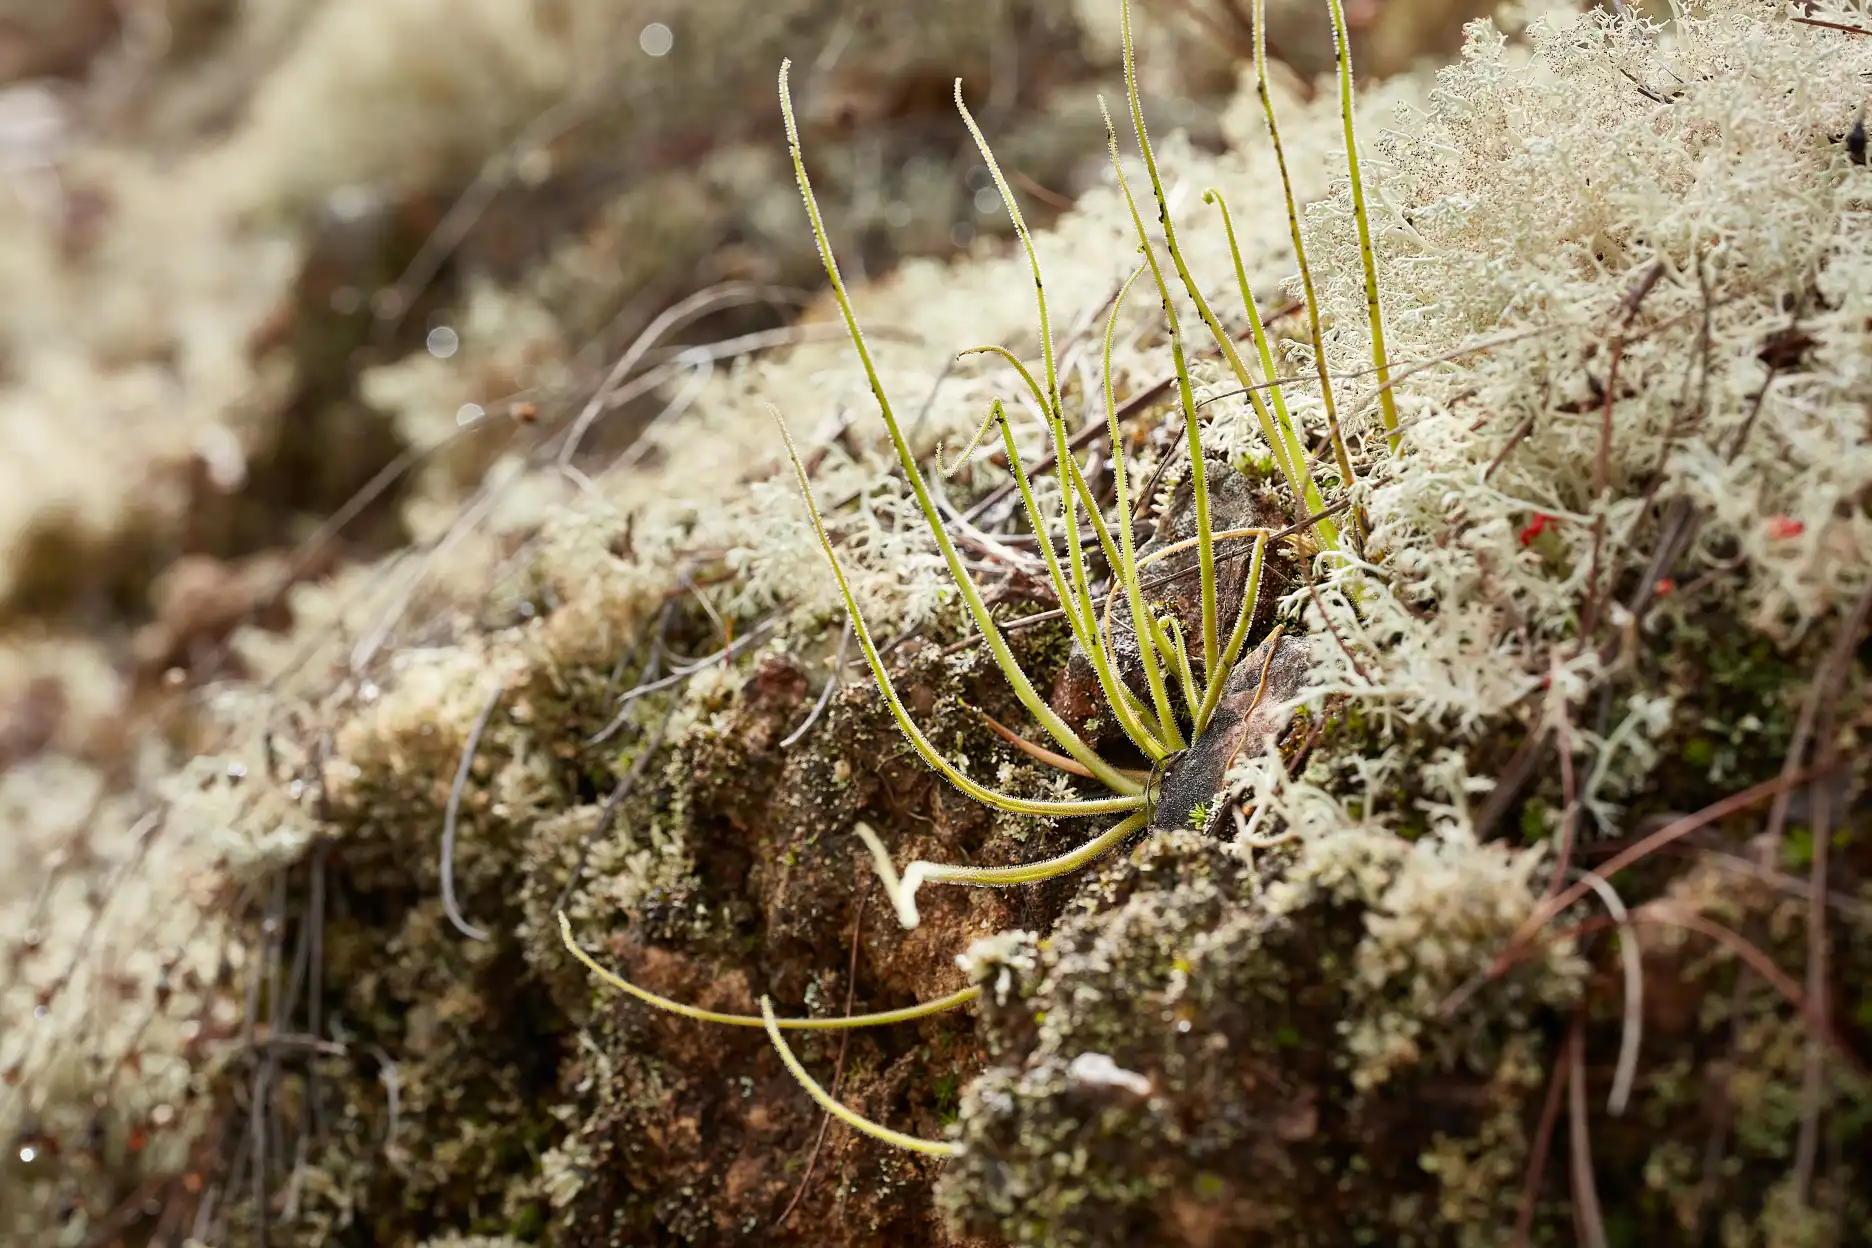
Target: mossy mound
column 1616, row 576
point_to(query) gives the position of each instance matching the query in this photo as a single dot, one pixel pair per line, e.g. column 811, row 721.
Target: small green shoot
column 902, row 890
column 1056, row 727
column 1340, row 454
column 849, row 1022
column 1387, row 401
column 910, row 1143
column 1276, row 427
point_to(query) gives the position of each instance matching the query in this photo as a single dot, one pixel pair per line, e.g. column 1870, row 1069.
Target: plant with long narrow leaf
column 1197, row 658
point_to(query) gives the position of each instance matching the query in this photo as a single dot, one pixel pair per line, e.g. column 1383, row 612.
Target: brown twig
column 1722, row 1115
column 838, row 1068
column 1735, row 803
column 1515, row 775
column 1760, row 962
column 1052, row 199
column 1813, row 1081
column 1038, row 753
column 1650, row 93
column 1829, row 679
column 1737, row 864
column 1663, row 914
column 1543, row 1142
column 1602, row 464
column 1826, row 25
column 1514, row 439
column 1519, row 944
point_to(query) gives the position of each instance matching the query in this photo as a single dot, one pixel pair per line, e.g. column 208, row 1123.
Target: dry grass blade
column 1735, row 803
column 450, row 816
column 1631, row 1037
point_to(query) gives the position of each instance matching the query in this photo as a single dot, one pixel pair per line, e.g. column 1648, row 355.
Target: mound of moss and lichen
column 1616, row 575
column 220, row 333
column 1293, row 1036
column 1630, row 529
column 1197, row 1054
column 669, row 806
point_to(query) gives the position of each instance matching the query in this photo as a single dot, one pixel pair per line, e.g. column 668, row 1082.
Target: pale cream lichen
column 1311, row 981
column 1732, row 182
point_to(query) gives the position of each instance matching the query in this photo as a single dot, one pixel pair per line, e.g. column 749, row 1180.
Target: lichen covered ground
column 217, row 382
column 1612, row 613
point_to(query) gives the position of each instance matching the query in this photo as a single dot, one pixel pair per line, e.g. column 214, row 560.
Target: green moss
column 1537, row 821
column 1180, row 969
